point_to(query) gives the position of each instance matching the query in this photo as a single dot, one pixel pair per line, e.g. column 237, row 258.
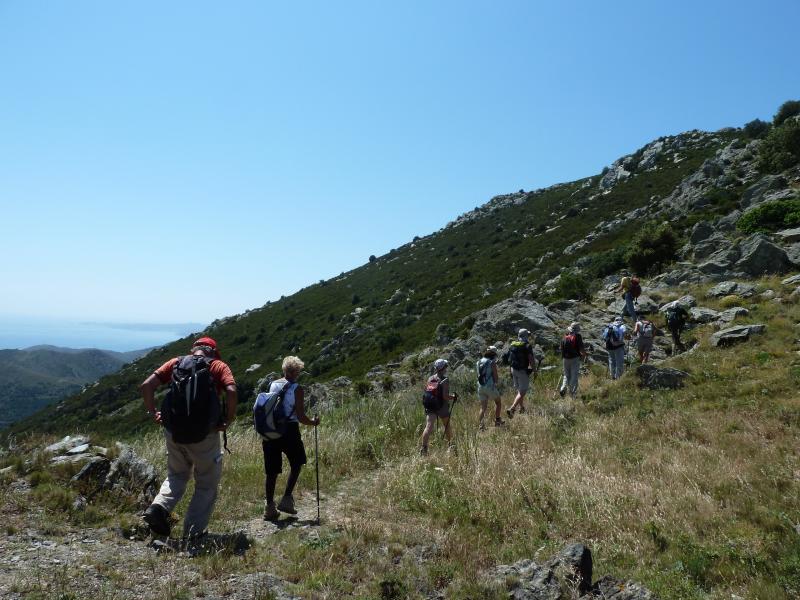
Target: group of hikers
column 523, row 364
column 193, row 417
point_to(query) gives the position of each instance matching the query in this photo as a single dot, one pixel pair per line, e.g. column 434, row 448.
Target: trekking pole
column 316, row 465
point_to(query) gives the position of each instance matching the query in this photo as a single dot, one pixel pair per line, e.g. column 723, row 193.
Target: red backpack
column 570, row 346
column 636, row 288
column 432, row 396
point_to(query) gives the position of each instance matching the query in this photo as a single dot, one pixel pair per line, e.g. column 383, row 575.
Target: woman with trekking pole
column 290, row 443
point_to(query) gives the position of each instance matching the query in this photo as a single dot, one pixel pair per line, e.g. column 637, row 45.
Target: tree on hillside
column 790, row 108
column 756, row 128
column 653, row 247
column 781, row 148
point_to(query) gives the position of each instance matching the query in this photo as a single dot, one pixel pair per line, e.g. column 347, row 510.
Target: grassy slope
column 692, row 492
column 446, row 276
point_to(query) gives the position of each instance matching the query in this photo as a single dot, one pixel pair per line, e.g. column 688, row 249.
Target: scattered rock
column 509, row 316
column 133, row 476
column 735, row 335
column 730, row 314
column 253, row 367
column 686, row 302
column 789, row 236
column 656, row 378
column 701, row 314
column 66, row 444
column 701, row 231
column 609, row 588
column 760, row 256
column 729, row 288
column 793, row 280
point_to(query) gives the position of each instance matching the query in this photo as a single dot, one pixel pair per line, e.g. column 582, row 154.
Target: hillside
column 36, row 377
column 682, row 477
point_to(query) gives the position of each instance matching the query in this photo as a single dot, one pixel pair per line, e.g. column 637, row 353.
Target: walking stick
column 316, row 466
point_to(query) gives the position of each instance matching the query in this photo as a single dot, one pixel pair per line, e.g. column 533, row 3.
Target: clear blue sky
column 271, row 145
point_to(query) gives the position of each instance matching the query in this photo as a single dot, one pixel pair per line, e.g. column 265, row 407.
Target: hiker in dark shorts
column 290, row 443
column 676, row 317
column 440, row 385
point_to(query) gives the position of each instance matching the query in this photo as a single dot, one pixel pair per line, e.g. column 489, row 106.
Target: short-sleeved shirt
column 220, row 372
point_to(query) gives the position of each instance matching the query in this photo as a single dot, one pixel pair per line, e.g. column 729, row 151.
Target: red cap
column 207, row 341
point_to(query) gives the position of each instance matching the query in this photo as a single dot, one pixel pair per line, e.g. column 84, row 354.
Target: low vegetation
column 771, row 216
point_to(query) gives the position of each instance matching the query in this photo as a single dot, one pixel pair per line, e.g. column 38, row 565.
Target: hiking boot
column 157, row 518
column 287, row 505
column 522, row 410
column 423, row 451
column 270, row 512
column 509, row 413
column 562, row 391
column 498, row 422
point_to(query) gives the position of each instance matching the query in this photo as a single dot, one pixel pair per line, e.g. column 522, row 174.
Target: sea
column 24, row 332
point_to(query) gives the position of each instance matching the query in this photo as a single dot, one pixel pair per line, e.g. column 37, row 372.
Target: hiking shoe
column 423, row 451
column 522, row 410
column 287, row 505
column 509, row 413
column 498, row 422
column 562, row 391
column 270, row 512
column 157, row 518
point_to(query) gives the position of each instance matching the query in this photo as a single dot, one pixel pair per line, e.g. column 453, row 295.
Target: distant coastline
column 24, row 332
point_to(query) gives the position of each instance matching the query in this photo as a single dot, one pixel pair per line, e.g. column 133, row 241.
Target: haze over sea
column 23, row 332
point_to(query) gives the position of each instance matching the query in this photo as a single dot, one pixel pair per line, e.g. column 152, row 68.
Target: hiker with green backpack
column 436, row 400
column 520, row 358
column 192, row 418
column 286, row 441
column 487, row 386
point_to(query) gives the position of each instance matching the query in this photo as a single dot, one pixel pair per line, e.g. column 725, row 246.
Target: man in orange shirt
column 192, row 419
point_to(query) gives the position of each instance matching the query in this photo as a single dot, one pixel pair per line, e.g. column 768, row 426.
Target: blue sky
column 184, row 161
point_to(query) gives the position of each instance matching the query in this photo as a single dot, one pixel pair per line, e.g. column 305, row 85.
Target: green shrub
column 362, row 387
column 790, row 108
column 756, row 128
column 781, row 148
column 653, row 246
column 573, row 285
column 605, row 263
column 771, row 216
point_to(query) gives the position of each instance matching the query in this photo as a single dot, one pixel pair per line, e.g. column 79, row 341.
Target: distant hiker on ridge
column 614, row 336
column 290, row 443
column 572, row 351
column 192, row 418
column 523, row 363
column 487, row 386
column 631, row 290
column 436, row 401
column 643, row 332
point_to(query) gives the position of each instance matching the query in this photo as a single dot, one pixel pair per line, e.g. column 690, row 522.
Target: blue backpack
column 269, row 413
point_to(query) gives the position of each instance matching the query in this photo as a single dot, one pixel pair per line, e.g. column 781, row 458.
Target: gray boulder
column 609, row 588
column 657, row 378
column 701, row 314
column 760, row 256
column 755, row 193
column 133, row 476
column 701, row 231
column 789, row 236
column 67, row 443
column 735, row 335
column 511, row 315
column 645, row 305
column 732, row 288
column 731, row 314
column 728, row 222
column 793, row 280
column 687, row 302
column 708, row 247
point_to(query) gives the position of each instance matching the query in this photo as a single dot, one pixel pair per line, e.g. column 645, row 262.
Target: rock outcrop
column 735, row 335
column 657, row 378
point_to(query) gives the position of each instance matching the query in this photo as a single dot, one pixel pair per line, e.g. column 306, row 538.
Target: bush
column 654, row 246
column 756, row 128
column 771, row 216
column 780, row 149
column 372, row 258
column 605, row 263
column 788, row 109
column 573, row 285
column 362, row 387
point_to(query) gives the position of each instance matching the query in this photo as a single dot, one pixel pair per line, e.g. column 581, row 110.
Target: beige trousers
column 204, row 461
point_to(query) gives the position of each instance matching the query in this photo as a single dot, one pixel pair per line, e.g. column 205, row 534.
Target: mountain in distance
column 38, row 376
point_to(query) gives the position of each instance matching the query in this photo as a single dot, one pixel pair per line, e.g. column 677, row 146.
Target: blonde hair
column 292, row 363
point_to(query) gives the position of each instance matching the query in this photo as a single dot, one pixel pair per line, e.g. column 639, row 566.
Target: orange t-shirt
column 220, row 372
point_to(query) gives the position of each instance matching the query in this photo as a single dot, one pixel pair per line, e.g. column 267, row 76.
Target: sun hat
column 524, row 334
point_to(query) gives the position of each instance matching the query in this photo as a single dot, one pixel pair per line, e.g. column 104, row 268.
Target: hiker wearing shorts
column 572, row 351
column 290, row 443
column 201, row 459
column 487, row 386
column 523, row 364
column 614, row 336
column 439, row 386
column 643, row 332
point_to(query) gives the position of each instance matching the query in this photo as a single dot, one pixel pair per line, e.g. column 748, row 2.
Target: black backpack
column 191, row 408
column 518, row 355
column 675, row 318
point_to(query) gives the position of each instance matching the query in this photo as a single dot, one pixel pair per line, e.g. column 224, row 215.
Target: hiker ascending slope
column 614, row 336
column 289, row 443
column 631, row 289
column 436, row 401
column 643, row 332
column 572, row 351
column 487, row 385
column 676, row 317
column 523, row 364
column 192, row 418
